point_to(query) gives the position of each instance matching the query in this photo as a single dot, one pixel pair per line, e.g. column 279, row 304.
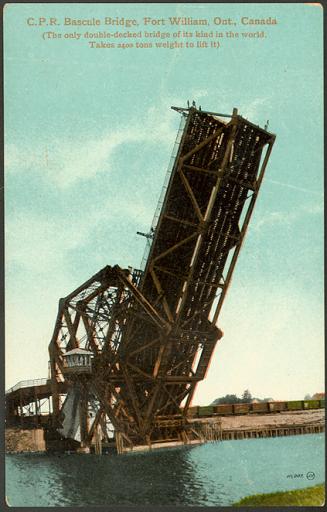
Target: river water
column 218, row 474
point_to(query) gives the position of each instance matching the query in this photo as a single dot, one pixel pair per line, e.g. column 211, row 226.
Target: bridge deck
column 27, row 391
column 153, row 335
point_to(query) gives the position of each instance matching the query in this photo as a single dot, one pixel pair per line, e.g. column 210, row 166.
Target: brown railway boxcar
column 193, row 412
column 260, row 407
column 277, row 406
column 223, row 409
column 241, row 408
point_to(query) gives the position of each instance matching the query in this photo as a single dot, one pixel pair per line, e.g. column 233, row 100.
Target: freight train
column 254, row 408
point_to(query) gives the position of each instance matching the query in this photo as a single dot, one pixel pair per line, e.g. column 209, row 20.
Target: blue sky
column 88, row 138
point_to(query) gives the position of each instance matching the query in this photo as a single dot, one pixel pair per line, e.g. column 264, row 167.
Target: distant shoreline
column 24, row 440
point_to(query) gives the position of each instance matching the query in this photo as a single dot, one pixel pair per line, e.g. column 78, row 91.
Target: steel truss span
column 152, row 333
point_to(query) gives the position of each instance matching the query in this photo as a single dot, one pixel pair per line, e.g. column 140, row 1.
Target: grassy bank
column 312, row 496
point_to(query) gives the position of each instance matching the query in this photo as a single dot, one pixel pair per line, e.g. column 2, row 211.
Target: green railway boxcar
column 294, row 405
column 207, row 410
column 322, row 404
column 311, row 404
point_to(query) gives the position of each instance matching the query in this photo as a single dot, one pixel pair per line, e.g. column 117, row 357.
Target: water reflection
column 213, row 474
column 161, row 477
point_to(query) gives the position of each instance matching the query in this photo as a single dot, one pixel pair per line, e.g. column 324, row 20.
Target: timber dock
column 294, row 430
column 211, row 430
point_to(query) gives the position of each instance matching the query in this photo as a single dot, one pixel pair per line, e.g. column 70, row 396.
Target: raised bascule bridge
column 129, row 346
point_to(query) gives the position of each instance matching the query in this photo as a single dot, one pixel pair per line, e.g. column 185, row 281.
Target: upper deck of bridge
column 25, row 391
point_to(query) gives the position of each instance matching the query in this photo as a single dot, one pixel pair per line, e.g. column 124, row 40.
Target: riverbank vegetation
column 234, row 399
column 312, row 496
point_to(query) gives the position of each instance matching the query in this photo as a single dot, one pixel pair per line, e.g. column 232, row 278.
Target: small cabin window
column 76, row 362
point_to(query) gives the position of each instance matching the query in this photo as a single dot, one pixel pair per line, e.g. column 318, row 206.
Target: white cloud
column 255, row 110
column 40, row 244
column 65, row 162
column 199, row 93
column 282, row 217
column 20, row 158
column 269, row 219
column 32, row 240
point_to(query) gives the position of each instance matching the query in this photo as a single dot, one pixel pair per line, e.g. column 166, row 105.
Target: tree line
column 234, row 399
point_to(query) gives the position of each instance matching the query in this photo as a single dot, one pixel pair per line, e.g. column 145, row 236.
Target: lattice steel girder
column 117, row 378
column 153, row 339
column 195, row 193
column 216, row 178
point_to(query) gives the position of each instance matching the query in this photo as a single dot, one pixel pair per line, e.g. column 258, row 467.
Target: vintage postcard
column 164, row 254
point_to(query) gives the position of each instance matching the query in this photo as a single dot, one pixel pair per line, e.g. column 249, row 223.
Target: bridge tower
column 151, row 332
